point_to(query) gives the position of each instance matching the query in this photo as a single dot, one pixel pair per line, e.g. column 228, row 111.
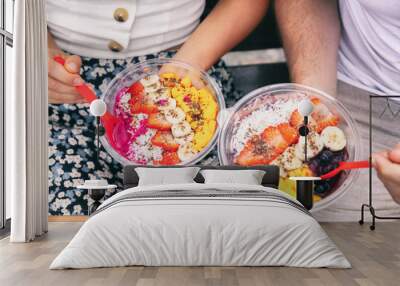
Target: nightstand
column 96, row 190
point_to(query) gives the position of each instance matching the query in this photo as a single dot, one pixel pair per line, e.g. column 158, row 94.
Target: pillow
column 248, row 177
column 166, row 176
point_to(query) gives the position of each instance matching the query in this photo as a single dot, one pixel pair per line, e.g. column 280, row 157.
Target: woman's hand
column 387, row 166
column 226, row 26
column 63, row 79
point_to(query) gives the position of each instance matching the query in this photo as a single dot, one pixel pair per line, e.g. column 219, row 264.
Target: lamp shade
column 305, row 107
column 98, row 107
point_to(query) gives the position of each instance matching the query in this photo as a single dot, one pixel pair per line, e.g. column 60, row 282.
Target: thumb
column 379, row 160
column 73, row 64
column 381, row 154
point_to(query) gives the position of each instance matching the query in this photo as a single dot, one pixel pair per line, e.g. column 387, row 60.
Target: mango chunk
column 204, row 134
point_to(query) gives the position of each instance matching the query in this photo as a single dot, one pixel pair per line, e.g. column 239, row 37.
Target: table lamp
column 97, row 188
column 98, row 108
column 305, row 185
column 305, row 109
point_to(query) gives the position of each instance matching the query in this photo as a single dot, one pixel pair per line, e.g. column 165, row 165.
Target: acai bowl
column 166, row 114
column 263, row 129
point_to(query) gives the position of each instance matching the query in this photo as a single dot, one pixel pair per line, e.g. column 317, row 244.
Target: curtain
column 26, row 124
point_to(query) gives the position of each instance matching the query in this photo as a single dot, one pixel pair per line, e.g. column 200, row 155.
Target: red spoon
column 346, row 166
column 109, row 121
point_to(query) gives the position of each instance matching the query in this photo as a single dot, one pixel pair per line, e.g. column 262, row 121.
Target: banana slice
column 150, row 80
column 314, row 146
column 290, row 160
column 156, row 96
column 333, row 138
column 181, row 129
column 185, row 139
column 186, row 152
column 152, row 88
column 166, row 104
column 175, row 116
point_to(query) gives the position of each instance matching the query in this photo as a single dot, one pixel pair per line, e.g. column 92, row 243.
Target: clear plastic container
column 137, row 72
column 265, row 98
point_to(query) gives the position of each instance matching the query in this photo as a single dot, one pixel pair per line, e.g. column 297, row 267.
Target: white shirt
column 86, row 27
column 369, row 54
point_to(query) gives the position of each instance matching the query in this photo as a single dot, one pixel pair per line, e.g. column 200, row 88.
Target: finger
column 386, row 169
column 60, row 87
column 197, row 82
column 170, row 68
column 58, row 72
column 394, row 156
column 73, row 64
column 61, row 98
column 380, row 164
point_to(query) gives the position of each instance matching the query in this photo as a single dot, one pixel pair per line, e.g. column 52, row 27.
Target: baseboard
column 67, row 218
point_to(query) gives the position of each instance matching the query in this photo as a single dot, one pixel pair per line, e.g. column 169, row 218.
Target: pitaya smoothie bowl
column 263, row 129
column 166, row 114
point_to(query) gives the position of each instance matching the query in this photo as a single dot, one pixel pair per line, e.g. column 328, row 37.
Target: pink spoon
column 109, row 121
column 345, row 166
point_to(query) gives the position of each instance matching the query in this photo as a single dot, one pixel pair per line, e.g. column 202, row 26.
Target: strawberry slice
column 256, row 152
column 296, row 120
column 139, row 103
column 322, row 115
column 315, row 100
column 289, row 133
column 148, row 108
column 136, row 89
column 169, row 158
column 273, row 137
column 331, row 120
column 165, row 140
column 136, row 102
column 158, row 121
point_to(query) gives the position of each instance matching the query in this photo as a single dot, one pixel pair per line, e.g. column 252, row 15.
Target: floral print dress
column 72, row 144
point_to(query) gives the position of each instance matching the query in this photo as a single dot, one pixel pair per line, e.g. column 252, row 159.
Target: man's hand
column 387, row 166
column 63, row 79
column 310, row 31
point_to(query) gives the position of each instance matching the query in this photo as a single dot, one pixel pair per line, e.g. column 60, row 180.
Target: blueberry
column 327, row 168
column 322, row 187
column 314, row 165
column 319, row 189
column 332, row 181
column 337, row 159
column 340, row 156
column 326, row 157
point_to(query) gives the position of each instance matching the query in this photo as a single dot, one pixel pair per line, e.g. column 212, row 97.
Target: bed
column 199, row 224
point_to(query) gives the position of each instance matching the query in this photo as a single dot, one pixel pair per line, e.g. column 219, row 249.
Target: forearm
column 310, row 31
column 51, row 44
column 229, row 23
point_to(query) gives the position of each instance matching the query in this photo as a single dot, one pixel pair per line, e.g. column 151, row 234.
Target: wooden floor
column 375, row 257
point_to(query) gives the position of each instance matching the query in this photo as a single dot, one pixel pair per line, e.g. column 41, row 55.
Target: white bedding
column 265, row 229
